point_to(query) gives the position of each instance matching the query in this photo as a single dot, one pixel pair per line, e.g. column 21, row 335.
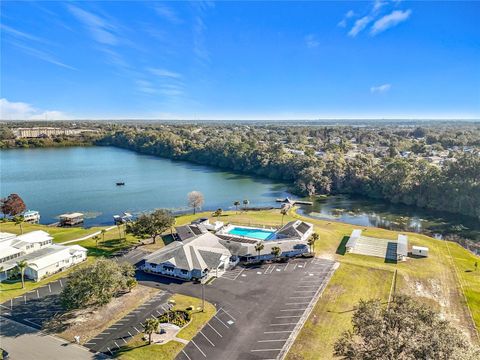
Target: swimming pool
column 252, row 233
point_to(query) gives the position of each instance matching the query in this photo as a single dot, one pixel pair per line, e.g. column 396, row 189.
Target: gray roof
column 195, row 253
column 186, row 232
column 294, row 229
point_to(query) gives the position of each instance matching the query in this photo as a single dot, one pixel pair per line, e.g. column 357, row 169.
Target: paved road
column 260, row 310
column 26, row 343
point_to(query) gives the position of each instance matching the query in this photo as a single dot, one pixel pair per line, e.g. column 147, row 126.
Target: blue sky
column 240, row 60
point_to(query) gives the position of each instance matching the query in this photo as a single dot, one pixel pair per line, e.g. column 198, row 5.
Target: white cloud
column 168, row 14
column 165, row 73
column 380, row 89
column 23, row 111
column 100, row 29
column 311, row 41
column 378, row 4
column 350, row 14
column 359, row 25
column 42, row 55
column 389, row 21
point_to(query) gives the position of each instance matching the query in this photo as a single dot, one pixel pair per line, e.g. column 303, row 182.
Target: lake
column 60, row 180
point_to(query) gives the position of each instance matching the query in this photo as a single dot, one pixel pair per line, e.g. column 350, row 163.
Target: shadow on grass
column 342, row 249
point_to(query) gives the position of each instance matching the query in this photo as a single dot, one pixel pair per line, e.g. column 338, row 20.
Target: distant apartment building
column 42, row 132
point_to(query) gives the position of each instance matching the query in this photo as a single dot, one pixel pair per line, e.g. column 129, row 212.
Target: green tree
column 218, row 213
column 96, row 284
column 21, row 266
column 131, row 283
column 312, row 240
column 103, row 232
column 276, row 251
column 245, row 204
column 151, row 225
column 236, row 203
column 284, row 211
column 12, row 205
column 19, row 220
column 259, row 247
column 96, row 238
column 404, row 330
column 151, row 326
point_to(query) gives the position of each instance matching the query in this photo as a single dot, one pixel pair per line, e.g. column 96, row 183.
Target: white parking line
column 214, row 329
column 89, row 343
column 285, row 268
column 184, row 353
column 267, row 269
column 306, row 286
column 304, row 291
column 293, row 309
column 225, row 311
column 300, row 297
column 262, row 341
column 267, row 350
column 193, row 342
column 277, row 332
column 110, row 351
column 130, row 334
column 298, row 303
column 124, row 340
column 215, row 316
column 287, row 316
column 61, row 284
column 235, row 278
column 118, row 347
column 136, row 329
column 207, row 338
column 97, row 337
column 283, row 324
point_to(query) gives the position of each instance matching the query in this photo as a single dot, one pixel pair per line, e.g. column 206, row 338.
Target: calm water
column 59, row 180
column 367, row 212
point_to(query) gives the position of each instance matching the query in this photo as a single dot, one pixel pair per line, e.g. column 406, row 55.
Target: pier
column 294, row 202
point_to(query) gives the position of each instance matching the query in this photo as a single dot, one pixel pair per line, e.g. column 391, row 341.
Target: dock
column 295, row 202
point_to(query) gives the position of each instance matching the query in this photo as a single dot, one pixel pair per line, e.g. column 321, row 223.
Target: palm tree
column 19, row 220
column 151, row 326
column 312, row 240
column 22, row 265
column 96, row 238
column 259, row 247
column 236, row 204
column 119, row 227
column 103, row 234
column 276, row 251
column 245, row 203
column 283, row 211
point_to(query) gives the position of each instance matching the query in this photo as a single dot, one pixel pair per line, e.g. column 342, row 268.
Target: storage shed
column 420, row 251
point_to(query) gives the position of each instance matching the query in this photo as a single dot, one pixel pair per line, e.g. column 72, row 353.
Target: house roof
column 46, row 256
column 35, row 236
column 352, row 241
column 199, row 252
column 186, row 232
column 294, row 229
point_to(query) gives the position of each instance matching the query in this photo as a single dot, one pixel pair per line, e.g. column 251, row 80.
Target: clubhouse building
column 198, row 253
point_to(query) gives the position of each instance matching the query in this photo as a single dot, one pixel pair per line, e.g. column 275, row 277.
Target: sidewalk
column 88, row 236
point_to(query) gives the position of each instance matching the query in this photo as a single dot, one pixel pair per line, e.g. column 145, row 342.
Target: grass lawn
column 138, row 349
column 59, row 234
column 333, row 312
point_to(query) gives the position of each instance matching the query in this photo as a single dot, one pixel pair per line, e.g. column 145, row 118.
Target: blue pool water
column 251, row 233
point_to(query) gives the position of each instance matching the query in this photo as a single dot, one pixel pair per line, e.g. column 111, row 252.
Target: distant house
column 43, row 257
column 196, row 257
column 208, row 225
column 31, row 216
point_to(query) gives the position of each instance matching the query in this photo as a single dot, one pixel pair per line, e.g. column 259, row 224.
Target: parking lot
column 39, row 305
column 118, row 334
column 259, row 310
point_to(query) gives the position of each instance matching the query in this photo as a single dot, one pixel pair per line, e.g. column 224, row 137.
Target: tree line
column 455, row 187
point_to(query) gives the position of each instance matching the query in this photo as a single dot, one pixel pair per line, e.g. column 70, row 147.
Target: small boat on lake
column 120, row 183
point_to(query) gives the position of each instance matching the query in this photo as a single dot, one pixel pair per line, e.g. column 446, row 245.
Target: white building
column 36, row 248
column 195, row 258
column 420, row 251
